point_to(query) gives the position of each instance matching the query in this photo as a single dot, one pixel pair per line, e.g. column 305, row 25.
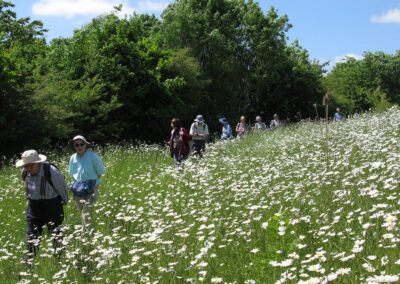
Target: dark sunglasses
column 79, row 145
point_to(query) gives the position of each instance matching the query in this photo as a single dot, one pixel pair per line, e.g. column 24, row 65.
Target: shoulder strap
column 24, row 174
column 47, row 172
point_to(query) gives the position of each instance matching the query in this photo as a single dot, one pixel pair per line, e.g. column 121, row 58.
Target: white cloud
column 152, row 6
column 343, row 58
column 391, row 16
column 339, row 59
column 71, row 8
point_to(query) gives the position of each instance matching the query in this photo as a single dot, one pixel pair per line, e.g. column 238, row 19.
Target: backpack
column 46, row 178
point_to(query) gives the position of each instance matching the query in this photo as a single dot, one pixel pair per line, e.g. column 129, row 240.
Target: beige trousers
column 85, row 206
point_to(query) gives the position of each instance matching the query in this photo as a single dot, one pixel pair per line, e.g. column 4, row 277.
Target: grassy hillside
column 256, row 210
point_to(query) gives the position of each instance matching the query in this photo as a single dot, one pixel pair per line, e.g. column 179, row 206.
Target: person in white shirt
column 259, row 124
column 199, row 132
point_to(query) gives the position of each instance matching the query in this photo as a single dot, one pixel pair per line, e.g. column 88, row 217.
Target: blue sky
column 329, row 30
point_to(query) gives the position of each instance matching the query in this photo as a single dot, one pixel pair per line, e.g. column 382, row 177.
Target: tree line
column 370, row 83
column 123, row 79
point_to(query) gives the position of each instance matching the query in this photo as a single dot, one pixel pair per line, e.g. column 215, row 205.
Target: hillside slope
column 265, row 208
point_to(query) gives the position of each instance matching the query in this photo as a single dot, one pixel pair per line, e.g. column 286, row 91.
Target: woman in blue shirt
column 226, row 128
column 85, row 166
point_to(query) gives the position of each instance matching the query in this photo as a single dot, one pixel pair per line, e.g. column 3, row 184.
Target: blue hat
column 223, row 120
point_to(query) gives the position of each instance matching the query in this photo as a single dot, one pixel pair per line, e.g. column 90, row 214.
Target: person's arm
column 237, row 128
column 59, row 184
column 98, row 165
column 229, row 130
column 185, row 135
column 71, row 168
column 205, row 134
column 191, row 132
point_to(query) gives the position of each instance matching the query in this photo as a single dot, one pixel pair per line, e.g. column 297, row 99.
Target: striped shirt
column 35, row 185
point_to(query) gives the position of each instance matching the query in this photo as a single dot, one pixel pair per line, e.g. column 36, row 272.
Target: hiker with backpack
column 242, row 127
column 259, row 125
column 86, row 168
column 275, row 122
column 199, row 132
column 47, row 193
column 179, row 142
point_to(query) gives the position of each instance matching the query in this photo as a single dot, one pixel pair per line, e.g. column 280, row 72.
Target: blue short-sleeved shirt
column 339, row 116
column 87, row 167
column 226, row 131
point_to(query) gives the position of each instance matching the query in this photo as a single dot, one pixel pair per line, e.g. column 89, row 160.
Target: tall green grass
column 257, row 210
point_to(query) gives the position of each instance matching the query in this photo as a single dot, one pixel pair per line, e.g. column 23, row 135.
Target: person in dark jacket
column 179, row 142
column 47, row 193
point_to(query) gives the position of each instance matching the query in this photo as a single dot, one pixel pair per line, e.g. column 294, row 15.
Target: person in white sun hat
column 86, row 168
column 47, row 192
column 199, row 132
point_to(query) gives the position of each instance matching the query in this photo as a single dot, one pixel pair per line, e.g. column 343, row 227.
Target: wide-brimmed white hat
column 30, row 156
column 199, row 118
column 80, row 137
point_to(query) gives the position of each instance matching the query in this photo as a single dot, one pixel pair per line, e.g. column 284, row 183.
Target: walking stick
column 316, row 110
column 325, row 102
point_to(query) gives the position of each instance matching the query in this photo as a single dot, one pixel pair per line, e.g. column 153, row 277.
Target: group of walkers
column 181, row 139
column 47, row 192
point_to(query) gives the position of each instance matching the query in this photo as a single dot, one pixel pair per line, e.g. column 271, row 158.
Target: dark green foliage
column 243, row 53
column 373, row 82
column 125, row 78
column 22, row 44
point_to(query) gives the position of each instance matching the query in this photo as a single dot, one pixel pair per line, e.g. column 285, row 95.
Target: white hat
column 30, row 156
column 199, row 118
column 80, row 137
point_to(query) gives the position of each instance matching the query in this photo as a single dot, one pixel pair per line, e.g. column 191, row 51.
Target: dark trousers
column 198, row 147
column 39, row 213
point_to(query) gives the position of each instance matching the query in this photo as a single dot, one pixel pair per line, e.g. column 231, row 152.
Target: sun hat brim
column 80, row 137
column 23, row 162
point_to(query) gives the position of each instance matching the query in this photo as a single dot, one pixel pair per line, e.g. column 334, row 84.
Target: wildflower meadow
column 268, row 208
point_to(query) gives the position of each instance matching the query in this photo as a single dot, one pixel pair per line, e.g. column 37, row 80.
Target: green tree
column 22, row 43
column 373, row 82
column 244, row 54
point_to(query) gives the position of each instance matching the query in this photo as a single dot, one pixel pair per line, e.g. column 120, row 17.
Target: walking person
column 275, row 122
column 259, row 126
column 226, row 129
column 47, row 193
column 179, row 142
column 199, row 132
column 242, row 127
column 339, row 116
column 86, row 168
